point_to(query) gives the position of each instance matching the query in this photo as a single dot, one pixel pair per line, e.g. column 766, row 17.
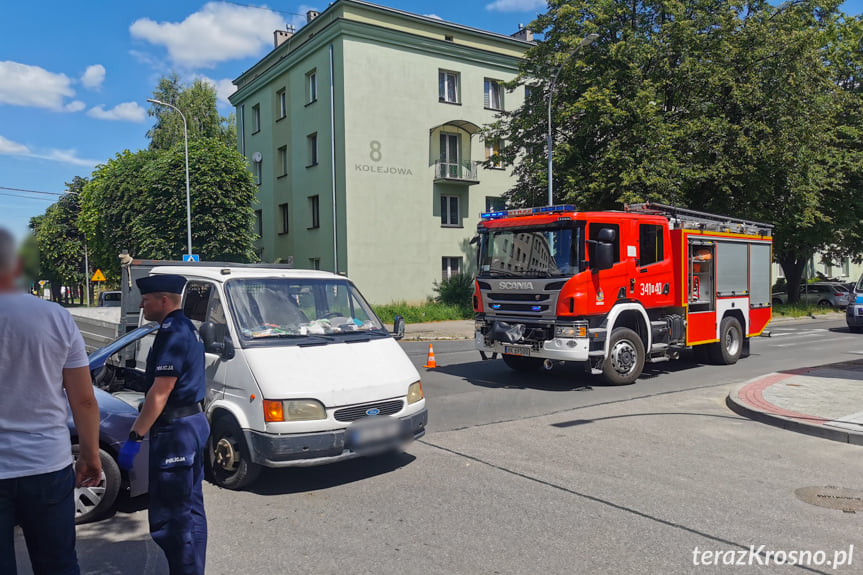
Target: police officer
column 172, row 414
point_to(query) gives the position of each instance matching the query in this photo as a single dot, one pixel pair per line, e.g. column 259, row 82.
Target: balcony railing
column 463, row 172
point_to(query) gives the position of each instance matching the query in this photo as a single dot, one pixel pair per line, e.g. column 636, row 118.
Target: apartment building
column 363, row 132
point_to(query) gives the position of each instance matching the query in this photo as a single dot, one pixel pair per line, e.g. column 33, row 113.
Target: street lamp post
column 188, row 198
column 586, row 41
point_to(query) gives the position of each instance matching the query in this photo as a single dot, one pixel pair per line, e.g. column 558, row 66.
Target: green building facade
column 362, row 130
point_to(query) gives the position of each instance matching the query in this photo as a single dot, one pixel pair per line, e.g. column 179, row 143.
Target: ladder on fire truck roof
column 692, row 219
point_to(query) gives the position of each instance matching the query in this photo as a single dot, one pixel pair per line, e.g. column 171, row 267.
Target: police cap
column 168, row 283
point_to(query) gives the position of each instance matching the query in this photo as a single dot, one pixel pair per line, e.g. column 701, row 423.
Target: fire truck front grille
column 355, row 412
column 519, row 307
column 498, row 296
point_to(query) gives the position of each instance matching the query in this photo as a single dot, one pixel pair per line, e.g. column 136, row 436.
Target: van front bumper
column 310, row 449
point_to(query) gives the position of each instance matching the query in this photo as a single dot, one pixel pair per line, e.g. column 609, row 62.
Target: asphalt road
column 550, row 473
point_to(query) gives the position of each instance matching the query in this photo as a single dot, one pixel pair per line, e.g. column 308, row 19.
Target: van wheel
column 520, row 363
column 855, row 328
column 231, row 466
column 625, row 357
column 95, row 502
column 730, row 345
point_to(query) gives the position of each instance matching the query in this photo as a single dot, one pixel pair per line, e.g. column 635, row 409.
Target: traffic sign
column 42, row 283
column 98, row 276
column 191, row 258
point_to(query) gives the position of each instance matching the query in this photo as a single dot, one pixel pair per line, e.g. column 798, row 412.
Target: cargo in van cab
column 300, row 370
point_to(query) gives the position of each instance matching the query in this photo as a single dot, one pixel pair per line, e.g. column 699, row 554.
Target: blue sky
column 75, row 76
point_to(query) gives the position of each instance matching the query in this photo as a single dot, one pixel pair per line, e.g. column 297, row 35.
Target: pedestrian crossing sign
column 98, row 276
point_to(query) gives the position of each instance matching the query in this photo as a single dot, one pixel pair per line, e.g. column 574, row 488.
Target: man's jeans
column 45, row 508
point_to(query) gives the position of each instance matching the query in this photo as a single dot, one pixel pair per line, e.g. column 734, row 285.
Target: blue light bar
column 526, row 212
column 536, row 308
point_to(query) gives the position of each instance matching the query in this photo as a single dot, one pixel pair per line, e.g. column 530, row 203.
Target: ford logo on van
column 373, row 411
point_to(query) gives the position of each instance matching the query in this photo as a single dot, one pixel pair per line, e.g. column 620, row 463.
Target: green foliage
column 430, row 311
column 59, row 242
column 801, row 310
column 456, row 291
column 137, row 202
column 740, row 108
column 198, row 104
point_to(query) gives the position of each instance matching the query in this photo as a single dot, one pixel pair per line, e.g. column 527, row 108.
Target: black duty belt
column 170, row 413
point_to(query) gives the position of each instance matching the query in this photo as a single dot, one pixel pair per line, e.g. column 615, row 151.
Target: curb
column 740, row 407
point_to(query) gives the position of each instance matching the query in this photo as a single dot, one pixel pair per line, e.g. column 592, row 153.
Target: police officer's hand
column 127, row 454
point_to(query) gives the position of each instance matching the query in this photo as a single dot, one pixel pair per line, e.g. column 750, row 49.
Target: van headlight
column 415, row 392
column 293, row 410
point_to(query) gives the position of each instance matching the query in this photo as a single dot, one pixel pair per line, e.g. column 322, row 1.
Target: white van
column 300, row 371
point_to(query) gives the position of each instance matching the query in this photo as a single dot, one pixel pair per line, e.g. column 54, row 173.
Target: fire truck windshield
column 550, row 251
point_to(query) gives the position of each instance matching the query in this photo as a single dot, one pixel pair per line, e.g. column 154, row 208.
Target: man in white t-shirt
column 41, row 355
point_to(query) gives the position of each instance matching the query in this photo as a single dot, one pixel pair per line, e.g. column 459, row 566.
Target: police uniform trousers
column 177, row 520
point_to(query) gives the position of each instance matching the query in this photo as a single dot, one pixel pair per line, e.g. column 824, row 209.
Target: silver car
column 823, row 294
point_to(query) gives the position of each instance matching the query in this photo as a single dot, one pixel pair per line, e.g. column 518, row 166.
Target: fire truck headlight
column 577, row 330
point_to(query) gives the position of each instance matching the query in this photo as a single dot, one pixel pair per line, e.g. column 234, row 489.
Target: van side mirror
column 398, row 327
column 216, row 340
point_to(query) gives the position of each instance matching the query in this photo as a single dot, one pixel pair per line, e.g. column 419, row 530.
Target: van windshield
column 289, row 307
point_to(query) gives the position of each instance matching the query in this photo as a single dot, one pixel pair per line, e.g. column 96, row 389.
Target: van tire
column 730, row 345
column 230, row 463
column 625, row 357
column 521, row 363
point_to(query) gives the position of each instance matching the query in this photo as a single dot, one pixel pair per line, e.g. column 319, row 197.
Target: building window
column 650, row 249
column 315, row 263
column 449, row 211
column 283, row 103
column 494, row 204
column 283, row 161
column 312, row 87
column 259, row 223
column 492, row 153
column 256, row 118
column 493, row 100
column 450, row 155
column 258, row 172
column 846, row 267
column 450, row 267
column 286, row 221
column 315, row 209
column 448, row 86
column 312, row 140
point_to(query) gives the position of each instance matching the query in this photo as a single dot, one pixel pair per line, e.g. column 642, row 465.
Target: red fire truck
column 616, row 290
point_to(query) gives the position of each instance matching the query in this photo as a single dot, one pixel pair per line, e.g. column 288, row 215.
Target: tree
column 137, row 202
column 198, row 104
column 60, row 242
column 728, row 106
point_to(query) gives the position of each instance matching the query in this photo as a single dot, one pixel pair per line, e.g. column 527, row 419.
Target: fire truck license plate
column 516, row 350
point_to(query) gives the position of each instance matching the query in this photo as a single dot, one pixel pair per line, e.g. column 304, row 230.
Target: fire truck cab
column 616, row 290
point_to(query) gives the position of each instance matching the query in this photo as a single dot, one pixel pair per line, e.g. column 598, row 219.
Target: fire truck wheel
column 625, row 357
column 519, row 363
column 727, row 350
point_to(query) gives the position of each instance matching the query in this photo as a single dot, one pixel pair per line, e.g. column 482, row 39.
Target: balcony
column 456, row 172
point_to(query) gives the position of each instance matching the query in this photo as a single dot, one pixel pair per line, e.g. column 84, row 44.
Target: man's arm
column 156, row 400
column 85, row 412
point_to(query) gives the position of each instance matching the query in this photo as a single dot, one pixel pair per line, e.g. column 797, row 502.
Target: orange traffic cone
column 431, row 362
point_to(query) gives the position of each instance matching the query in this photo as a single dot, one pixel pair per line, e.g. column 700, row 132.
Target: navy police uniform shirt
column 178, row 352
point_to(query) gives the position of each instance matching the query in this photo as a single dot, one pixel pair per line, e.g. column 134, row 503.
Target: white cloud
column 216, row 33
column 24, row 85
column 435, row 16
column 224, row 88
column 10, row 148
column 126, row 112
column 75, row 106
column 93, row 77
column 517, row 6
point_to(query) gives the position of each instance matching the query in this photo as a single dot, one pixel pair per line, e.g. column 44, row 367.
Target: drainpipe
column 333, row 165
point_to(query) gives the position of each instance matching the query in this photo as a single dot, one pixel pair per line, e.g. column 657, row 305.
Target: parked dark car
column 823, row 294
column 109, row 299
column 117, row 413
